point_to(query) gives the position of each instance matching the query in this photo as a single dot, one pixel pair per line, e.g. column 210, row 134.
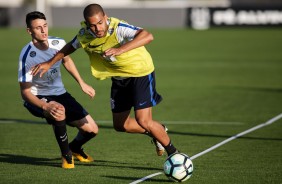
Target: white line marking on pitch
column 272, row 120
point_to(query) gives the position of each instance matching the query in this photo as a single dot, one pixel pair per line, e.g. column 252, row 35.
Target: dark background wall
column 150, row 17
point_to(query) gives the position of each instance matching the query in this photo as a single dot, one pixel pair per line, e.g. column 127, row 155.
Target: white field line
column 272, row 120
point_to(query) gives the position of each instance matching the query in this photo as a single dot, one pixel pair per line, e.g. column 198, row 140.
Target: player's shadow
column 123, row 165
column 22, row 121
column 114, row 164
column 26, row 160
column 136, row 178
column 223, row 136
column 54, row 162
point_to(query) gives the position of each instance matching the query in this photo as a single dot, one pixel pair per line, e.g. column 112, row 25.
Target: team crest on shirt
column 55, row 42
column 82, row 31
column 32, row 54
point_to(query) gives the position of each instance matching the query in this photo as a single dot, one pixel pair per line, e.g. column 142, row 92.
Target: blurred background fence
column 195, row 14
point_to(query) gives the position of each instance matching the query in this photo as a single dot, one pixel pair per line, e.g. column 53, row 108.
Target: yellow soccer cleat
column 82, row 156
column 67, row 162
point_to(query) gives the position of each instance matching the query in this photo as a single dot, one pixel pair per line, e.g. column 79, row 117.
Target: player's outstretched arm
column 71, row 68
column 44, row 67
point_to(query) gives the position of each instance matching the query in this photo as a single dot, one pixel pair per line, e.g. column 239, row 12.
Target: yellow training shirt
column 134, row 63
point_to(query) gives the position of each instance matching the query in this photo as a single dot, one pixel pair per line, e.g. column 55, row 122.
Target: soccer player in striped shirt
column 46, row 96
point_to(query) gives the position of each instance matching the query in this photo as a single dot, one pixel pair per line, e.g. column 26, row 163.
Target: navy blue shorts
column 137, row 92
column 74, row 111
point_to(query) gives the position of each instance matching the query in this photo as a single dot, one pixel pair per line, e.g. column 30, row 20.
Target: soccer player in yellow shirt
column 116, row 50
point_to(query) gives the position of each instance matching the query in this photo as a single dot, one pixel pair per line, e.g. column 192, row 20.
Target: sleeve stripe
column 73, row 40
column 129, row 26
column 23, row 63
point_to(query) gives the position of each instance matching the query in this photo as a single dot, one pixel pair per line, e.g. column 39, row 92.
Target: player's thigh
column 120, row 119
column 121, row 95
column 73, row 109
column 39, row 112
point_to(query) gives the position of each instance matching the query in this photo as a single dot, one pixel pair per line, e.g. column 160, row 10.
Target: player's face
column 98, row 24
column 38, row 30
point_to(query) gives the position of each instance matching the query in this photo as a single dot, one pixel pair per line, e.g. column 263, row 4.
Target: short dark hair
column 32, row 16
column 92, row 9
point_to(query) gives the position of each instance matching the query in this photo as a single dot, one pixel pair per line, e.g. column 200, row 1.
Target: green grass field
column 215, row 84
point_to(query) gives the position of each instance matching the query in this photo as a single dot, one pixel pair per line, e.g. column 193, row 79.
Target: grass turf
column 215, row 84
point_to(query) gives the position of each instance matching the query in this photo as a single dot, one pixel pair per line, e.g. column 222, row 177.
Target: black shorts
column 137, row 92
column 73, row 110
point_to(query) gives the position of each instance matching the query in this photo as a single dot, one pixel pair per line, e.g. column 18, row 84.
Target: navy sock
column 81, row 139
column 170, row 149
column 61, row 135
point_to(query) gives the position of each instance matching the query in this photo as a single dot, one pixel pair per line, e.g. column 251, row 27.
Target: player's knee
column 60, row 118
column 93, row 130
column 144, row 123
column 93, row 126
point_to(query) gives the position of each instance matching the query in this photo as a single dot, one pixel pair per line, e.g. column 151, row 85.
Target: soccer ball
column 178, row 167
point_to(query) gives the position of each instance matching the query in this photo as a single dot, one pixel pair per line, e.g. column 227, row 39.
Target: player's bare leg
column 143, row 123
column 144, row 119
column 124, row 123
column 158, row 132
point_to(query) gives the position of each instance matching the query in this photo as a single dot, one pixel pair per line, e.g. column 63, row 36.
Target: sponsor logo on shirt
column 94, row 46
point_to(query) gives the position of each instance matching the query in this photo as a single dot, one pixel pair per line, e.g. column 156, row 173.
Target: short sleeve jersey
column 125, row 33
column 133, row 63
column 50, row 83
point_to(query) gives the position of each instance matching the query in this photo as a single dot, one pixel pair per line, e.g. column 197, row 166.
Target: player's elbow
column 150, row 37
column 144, row 35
